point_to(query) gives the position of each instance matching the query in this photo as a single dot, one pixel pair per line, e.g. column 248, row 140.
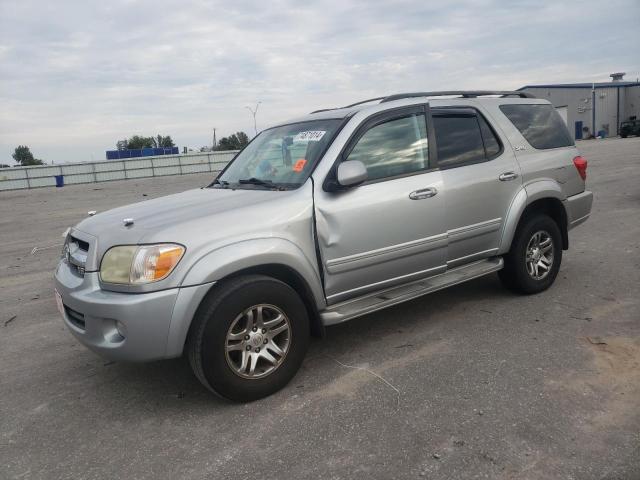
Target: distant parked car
column 630, row 127
column 322, row 219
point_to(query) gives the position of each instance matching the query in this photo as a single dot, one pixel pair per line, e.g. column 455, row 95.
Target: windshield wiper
column 262, row 183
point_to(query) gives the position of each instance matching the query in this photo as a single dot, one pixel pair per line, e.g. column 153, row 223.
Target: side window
column 492, row 145
column 396, row 147
column 539, row 124
column 458, row 139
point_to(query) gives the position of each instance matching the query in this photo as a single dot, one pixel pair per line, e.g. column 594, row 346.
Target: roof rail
column 349, row 106
column 462, row 93
column 364, row 101
column 446, row 93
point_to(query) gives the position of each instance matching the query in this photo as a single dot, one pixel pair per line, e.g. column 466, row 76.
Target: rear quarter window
column 540, row 125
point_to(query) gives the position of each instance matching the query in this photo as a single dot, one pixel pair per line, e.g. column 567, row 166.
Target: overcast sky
column 77, row 76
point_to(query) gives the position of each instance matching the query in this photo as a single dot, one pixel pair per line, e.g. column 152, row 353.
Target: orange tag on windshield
column 299, row 165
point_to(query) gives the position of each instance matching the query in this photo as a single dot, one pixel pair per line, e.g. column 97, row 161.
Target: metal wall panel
column 166, row 161
column 606, row 111
column 629, row 105
column 203, row 167
column 37, row 172
column 13, row 184
column 78, row 178
column 13, row 173
column 42, row 182
column 77, row 168
column 44, row 176
column 133, row 164
column 140, row 173
column 107, row 176
column 161, row 171
column 109, row 166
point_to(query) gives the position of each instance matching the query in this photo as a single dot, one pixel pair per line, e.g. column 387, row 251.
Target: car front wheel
column 249, row 338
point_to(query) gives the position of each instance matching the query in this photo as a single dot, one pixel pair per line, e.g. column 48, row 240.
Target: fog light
column 122, row 330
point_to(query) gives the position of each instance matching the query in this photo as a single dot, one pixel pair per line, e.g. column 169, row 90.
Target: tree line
column 137, row 142
column 23, row 156
column 236, row 141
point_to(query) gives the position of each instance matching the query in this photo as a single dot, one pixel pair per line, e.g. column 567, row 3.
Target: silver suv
column 322, row 219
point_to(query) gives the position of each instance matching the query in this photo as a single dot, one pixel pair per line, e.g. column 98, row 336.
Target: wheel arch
column 555, row 209
column 291, row 277
column 275, row 257
column 540, row 197
column 286, row 274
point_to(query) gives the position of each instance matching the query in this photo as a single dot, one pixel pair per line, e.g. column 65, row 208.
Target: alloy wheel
column 258, row 341
column 539, row 255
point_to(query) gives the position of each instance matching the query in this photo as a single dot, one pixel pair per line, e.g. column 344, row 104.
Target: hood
column 192, row 218
column 171, row 210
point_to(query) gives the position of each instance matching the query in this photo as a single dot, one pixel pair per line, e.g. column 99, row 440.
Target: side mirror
column 351, row 173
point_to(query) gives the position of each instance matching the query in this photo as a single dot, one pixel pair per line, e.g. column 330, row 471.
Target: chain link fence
column 17, row 178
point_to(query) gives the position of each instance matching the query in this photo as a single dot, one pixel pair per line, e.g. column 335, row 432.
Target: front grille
column 76, row 252
column 76, row 318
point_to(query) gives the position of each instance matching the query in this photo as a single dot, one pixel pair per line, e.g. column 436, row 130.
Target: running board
column 355, row 307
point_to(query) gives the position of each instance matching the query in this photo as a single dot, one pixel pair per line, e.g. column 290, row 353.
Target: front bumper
column 579, row 208
column 126, row 326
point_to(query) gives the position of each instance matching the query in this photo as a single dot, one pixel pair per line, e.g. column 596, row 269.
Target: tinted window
column 458, row 139
column 491, row 143
column 396, row 147
column 539, row 124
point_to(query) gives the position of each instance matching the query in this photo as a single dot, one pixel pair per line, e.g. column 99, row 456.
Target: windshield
column 279, row 158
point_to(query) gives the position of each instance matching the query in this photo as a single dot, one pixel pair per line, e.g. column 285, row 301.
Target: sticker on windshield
column 299, row 165
column 309, row 136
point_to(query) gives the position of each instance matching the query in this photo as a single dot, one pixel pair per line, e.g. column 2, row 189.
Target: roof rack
column 446, row 93
column 462, row 93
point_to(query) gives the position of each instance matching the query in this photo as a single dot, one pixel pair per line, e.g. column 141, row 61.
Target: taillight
column 581, row 166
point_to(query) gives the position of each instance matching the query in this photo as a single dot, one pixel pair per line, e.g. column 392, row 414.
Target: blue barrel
column 59, row 181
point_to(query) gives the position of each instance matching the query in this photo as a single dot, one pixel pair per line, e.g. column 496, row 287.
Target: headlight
column 133, row 264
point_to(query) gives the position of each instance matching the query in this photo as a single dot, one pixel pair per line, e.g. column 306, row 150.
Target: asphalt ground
column 471, row 382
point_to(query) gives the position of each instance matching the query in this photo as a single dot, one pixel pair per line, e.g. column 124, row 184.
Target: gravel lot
column 479, row 382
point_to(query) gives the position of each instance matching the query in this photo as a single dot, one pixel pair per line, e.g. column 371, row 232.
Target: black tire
column 623, row 135
column 515, row 275
column 206, row 344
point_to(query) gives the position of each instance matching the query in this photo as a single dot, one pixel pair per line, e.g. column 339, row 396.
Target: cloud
column 77, row 76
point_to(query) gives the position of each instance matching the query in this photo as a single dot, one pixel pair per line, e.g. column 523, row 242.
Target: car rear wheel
column 248, row 338
column 532, row 264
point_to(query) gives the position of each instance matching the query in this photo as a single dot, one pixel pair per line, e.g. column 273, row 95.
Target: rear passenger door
column 480, row 179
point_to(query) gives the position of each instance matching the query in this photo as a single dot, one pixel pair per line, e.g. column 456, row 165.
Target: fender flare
column 224, row 261
column 527, row 195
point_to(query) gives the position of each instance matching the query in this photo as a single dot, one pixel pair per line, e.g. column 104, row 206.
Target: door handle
column 506, row 176
column 423, row 193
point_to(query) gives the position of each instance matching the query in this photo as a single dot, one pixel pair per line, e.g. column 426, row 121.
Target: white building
column 603, row 104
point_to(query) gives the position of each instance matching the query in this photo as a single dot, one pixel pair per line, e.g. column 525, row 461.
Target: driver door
column 389, row 230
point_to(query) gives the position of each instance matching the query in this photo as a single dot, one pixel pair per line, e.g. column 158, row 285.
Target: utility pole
column 254, row 111
column 215, row 142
